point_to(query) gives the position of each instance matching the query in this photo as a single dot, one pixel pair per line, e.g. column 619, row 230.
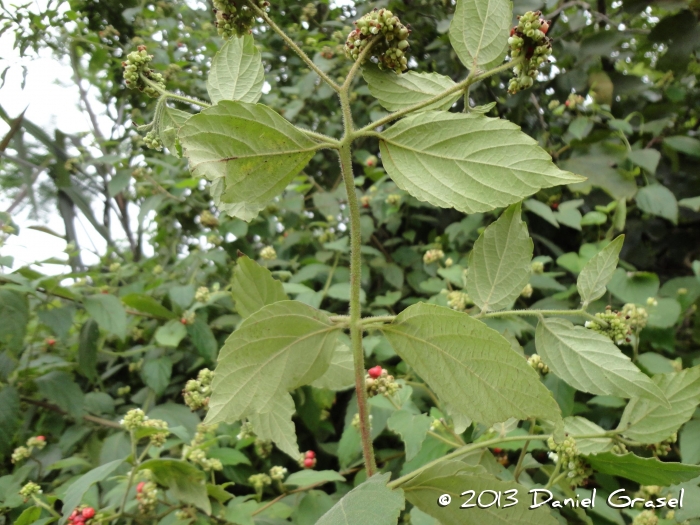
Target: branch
column 262, row 14
column 87, row 417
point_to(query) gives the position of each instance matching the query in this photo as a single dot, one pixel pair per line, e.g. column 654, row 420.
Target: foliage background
column 633, row 133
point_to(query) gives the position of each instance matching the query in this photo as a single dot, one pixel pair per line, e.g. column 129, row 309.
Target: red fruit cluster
column 310, row 459
column 81, row 516
column 375, row 372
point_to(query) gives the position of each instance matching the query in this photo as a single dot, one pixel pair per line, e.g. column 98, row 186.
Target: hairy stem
column 461, row 86
column 167, row 94
column 345, row 153
column 262, row 14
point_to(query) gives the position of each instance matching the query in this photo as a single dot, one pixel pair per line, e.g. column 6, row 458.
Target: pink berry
column 309, row 463
column 375, row 372
column 310, row 454
column 40, row 438
column 73, row 514
column 139, row 487
column 88, row 512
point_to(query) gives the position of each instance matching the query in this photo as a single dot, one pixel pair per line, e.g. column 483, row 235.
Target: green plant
column 461, row 386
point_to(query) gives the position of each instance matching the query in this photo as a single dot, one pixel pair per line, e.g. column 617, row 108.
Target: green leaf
column 590, row 362
column 341, row 372
column 598, row 271
column 275, row 424
column 156, row 373
column 186, row 481
column 500, row 263
column 597, row 166
column 304, row 478
column 691, row 202
column 87, row 348
column 109, row 313
column 169, row 126
column 59, row 388
column 648, row 422
column 14, row 313
column 690, row 442
column 254, row 287
column 633, row 287
column 645, row 471
column 171, row 333
column 664, row 314
column 203, row 339
column 228, row 456
column 147, row 304
column 412, row 428
column 583, row 427
column 488, row 383
column 645, row 158
column 29, row 516
column 396, row 92
column 249, row 150
column 479, row 32
column 453, row 160
column 684, row 144
column 280, row 347
column 78, row 488
column 236, row 72
column 658, row 200
column 9, row 417
column 371, row 502
column 542, row 210
column 455, row 477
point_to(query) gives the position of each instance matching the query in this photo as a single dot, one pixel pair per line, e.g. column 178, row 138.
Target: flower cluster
column 527, row 291
column 389, row 45
column 156, row 429
column 268, row 253
column 535, row 361
column 147, row 496
column 21, row 453
column 664, row 447
column 195, row 452
column 136, row 65
column 81, row 516
column 528, row 40
column 152, row 141
column 355, row 423
column 263, row 448
column 278, row 473
column 458, row 300
column 29, row 490
column 433, row 256
column 197, row 391
column 234, row 17
column 202, row 295
column 308, row 459
column 567, row 454
column 646, row 517
column 620, row 325
column 537, row 267
column 378, row 381
column 259, row 482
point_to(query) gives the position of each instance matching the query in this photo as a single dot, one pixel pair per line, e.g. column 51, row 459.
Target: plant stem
column 345, row 153
column 461, row 452
column 574, row 313
column 167, row 94
column 523, row 453
column 461, row 86
column 262, row 14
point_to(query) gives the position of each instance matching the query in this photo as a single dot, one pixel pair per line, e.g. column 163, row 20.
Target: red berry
column 310, row 454
column 79, row 519
column 512, row 31
column 497, row 450
column 40, row 438
column 139, row 487
column 309, row 463
column 183, row 321
column 73, row 514
column 555, row 206
column 88, row 512
column 544, row 27
column 50, row 341
column 375, row 372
